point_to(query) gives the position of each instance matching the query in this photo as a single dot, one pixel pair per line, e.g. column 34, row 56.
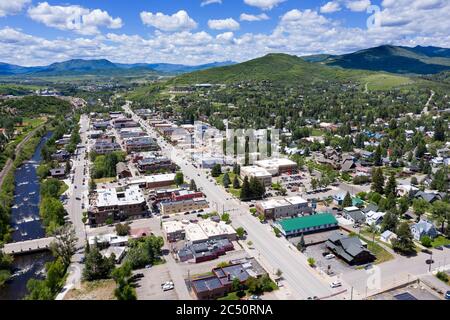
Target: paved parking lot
column 412, row 292
column 337, row 266
column 149, row 287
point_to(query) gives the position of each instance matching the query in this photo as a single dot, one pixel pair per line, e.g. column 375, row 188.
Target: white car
column 168, row 287
column 330, row 256
column 335, row 284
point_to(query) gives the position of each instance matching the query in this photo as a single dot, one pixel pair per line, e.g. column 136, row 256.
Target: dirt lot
column 97, row 290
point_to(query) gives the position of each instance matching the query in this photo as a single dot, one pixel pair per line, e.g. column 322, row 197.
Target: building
column 354, row 214
column 278, row 166
column 261, row 174
column 280, row 208
column 119, row 123
column 155, row 181
column 116, row 204
column 423, row 228
column 172, row 207
column 155, row 163
column 388, row 236
column 198, row 232
column 61, row 155
column 138, row 144
column 131, row 133
column 123, row 171
column 307, row 224
column 105, row 146
column 58, row 173
column 100, row 125
column 374, row 217
column 204, row 251
column 350, row 249
column 220, row 282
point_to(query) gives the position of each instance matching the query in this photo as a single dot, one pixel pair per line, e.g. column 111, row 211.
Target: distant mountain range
column 401, row 60
column 102, row 67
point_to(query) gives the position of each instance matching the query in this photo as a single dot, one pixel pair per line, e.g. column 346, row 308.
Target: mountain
column 276, row 67
column 174, row 69
column 393, row 59
column 102, row 67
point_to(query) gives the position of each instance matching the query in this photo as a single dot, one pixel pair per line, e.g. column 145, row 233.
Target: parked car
column 335, row 284
column 447, row 295
column 330, row 256
column 255, row 297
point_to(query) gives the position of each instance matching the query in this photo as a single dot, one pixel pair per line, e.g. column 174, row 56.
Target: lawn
column 385, row 81
column 440, row 241
column 316, row 133
column 235, row 192
column 104, row 180
column 380, row 253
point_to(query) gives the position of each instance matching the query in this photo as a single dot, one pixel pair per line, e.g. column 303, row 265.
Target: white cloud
column 299, row 32
column 177, row 22
column 73, row 18
column 264, row 4
column 330, row 7
column 208, row 2
column 10, row 7
column 251, row 17
column 224, row 24
column 225, row 37
column 358, row 5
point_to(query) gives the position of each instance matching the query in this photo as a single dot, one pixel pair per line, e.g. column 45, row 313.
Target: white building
column 259, row 173
column 277, row 166
column 280, row 208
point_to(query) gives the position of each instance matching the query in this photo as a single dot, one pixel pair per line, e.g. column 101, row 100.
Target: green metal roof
column 307, row 222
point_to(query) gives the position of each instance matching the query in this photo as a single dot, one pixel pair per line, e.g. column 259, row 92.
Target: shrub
column 426, row 241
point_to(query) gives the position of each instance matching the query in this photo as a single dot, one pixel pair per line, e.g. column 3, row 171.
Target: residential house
column 388, row 236
column 354, row 215
column 422, row 228
column 58, row 173
column 351, row 249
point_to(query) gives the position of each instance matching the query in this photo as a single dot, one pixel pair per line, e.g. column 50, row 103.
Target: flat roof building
column 261, row 174
column 278, row 166
column 285, row 207
column 307, row 224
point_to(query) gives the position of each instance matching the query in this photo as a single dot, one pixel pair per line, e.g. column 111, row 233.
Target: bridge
column 29, row 246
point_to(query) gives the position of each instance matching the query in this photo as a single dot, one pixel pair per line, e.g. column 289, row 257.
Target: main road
column 303, row 281
column 78, row 196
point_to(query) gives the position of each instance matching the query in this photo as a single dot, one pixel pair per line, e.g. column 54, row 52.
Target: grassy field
column 104, row 180
column 316, row 132
column 385, row 81
column 96, row 290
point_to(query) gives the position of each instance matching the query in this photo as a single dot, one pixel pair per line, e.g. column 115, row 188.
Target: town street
column 300, row 277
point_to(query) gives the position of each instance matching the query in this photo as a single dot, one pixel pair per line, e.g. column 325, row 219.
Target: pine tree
column 378, row 156
column 245, row 190
column 347, row 201
column 391, row 186
column 226, row 180
column 378, row 181
column 236, row 184
column 193, row 186
column 404, row 242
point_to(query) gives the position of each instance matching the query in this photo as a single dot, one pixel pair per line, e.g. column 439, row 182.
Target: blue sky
column 34, row 32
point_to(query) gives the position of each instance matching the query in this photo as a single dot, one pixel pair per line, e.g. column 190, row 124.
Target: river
column 27, row 226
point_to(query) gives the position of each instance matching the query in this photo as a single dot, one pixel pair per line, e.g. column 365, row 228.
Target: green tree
column 245, row 190
column 216, row 171
column 193, row 186
column 124, row 290
column 226, row 180
column 236, row 184
column 378, row 156
column 179, row 178
column 226, row 217
column 390, row 221
column 65, row 244
column 96, row 266
column 301, row 245
column 257, row 189
column 391, row 186
column 441, row 213
column 420, row 206
column 426, row 241
column 404, row 242
column 123, row 229
column 440, row 130
column 240, row 232
column 403, row 204
column 378, row 181
column 311, row 262
column 347, row 202
column 52, row 213
column 440, row 180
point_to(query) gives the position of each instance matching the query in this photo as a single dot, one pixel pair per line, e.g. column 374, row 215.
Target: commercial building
column 307, row 224
column 116, row 204
column 351, row 249
column 138, row 144
column 280, row 208
column 104, row 146
column 278, row 166
column 124, row 123
column 154, row 181
column 204, row 251
column 123, row 171
column 220, row 282
column 155, row 163
column 131, row 133
column 171, row 207
column 261, row 174
column 198, row 232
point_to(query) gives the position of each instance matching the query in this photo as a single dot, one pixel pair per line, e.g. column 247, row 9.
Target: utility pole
column 351, row 294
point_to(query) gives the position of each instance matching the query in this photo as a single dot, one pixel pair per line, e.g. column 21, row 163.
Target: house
column 123, row 171
column 348, row 164
column 351, row 249
column 374, row 217
column 354, row 215
column 370, row 207
column 423, row 228
column 429, row 197
column 58, row 173
column 388, row 236
column 61, row 155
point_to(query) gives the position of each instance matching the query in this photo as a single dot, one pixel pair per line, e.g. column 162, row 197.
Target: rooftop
column 307, row 222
